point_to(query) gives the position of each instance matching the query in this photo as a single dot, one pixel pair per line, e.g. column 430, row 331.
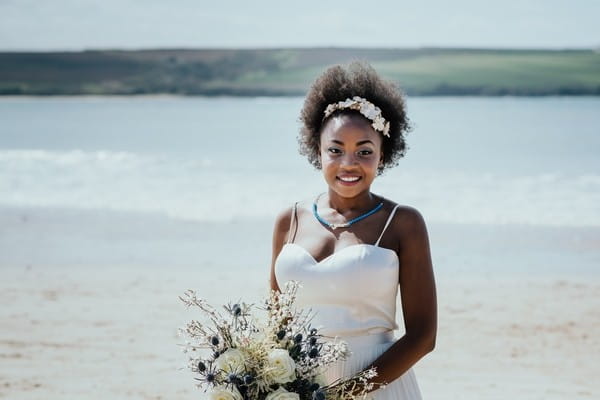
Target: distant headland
column 288, row 72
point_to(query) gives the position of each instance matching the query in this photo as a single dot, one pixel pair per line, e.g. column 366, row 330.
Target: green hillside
column 252, row 72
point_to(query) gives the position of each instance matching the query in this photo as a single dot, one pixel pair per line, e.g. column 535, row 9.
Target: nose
column 348, row 160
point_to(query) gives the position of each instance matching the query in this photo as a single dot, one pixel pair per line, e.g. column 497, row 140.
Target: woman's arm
column 280, row 233
column 419, row 304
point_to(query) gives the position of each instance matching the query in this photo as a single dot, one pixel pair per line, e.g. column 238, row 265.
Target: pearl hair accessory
column 366, row 108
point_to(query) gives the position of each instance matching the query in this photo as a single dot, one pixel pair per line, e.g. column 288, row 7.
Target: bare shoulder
column 408, row 221
column 409, row 217
column 281, row 232
column 283, row 220
column 281, row 229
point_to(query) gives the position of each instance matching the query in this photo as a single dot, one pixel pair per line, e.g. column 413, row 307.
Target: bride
column 352, row 249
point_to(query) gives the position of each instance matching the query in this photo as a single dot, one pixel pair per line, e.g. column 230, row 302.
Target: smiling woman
column 351, row 249
column 350, row 154
column 358, row 91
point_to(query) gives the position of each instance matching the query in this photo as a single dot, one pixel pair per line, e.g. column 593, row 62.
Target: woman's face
column 350, row 152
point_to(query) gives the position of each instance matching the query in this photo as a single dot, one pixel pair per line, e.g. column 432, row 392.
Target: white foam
column 209, row 191
column 542, row 199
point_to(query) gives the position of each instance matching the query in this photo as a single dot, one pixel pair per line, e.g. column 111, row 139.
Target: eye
column 365, row 152
column 334, row 150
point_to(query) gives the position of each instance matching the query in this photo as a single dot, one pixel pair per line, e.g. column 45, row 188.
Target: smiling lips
column 348, row 179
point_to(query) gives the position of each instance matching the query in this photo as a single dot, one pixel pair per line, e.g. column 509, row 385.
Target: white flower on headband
column 369, row 110
column 379, row 124
column 366, row 108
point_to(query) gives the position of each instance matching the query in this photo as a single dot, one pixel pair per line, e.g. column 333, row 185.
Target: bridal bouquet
column 235, row 355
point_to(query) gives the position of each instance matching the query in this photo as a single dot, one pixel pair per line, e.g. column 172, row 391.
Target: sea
column 113, row 180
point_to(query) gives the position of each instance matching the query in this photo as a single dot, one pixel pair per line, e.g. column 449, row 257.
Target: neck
column 344, row 205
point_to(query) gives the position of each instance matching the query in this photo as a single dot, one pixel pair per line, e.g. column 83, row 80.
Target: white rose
column 282, row 368
column 232, row 360
column 224, row 393
column 282, row 394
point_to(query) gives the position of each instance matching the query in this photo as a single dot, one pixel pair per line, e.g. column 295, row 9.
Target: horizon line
column 253, row 48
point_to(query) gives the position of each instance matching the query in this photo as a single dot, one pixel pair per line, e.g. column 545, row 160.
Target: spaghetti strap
column 289, row 239
column 387, row 223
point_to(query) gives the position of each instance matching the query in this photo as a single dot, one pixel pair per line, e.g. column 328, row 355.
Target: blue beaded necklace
column 345, row 224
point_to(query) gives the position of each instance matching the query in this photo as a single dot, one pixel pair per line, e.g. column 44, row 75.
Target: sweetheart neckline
column 337, row 252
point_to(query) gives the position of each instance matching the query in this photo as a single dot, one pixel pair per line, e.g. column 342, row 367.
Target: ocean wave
column 208, row 190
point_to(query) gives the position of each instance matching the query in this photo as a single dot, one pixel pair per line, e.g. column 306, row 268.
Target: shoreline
column 288, row 71
column 65, row 238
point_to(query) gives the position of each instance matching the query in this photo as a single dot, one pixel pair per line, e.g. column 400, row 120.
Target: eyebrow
column 361, row 142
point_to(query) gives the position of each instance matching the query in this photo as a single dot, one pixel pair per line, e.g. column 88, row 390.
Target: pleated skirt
column 365, row 349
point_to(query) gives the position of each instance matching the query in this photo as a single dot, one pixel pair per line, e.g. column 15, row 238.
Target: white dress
column 353, row 295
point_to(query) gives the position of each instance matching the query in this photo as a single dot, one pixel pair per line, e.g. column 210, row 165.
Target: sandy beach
column 93, row 313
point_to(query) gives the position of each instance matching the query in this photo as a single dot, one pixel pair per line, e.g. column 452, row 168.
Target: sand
column 95, row 327
column 70, row 335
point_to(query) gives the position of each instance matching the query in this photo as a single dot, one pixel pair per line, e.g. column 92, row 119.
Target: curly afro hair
column 337, row 84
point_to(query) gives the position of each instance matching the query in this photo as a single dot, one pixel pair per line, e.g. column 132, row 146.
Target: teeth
column 349, row 178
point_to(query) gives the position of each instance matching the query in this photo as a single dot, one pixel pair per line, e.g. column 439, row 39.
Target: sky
column 49, row 25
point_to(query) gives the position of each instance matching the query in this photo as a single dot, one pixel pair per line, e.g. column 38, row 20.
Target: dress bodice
column 351, row 293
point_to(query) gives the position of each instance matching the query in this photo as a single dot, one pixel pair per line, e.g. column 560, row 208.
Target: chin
column 348, row 192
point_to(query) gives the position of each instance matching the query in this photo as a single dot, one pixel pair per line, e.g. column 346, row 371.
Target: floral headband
column 366, row 108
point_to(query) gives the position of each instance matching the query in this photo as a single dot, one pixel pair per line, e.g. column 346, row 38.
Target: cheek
column 327, row 162
column 326, row 158
column 374, row 164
